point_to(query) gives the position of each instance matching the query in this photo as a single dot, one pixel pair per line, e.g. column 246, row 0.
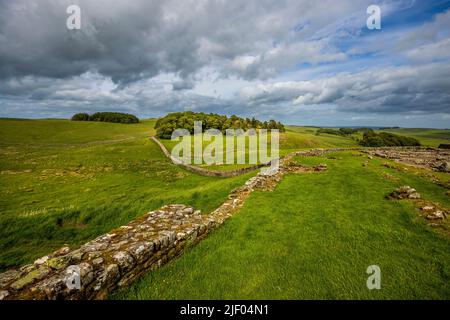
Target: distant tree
column 116, row 117
column 340, row 132
column 185, row 120
column 385, row 139
column 80, row 117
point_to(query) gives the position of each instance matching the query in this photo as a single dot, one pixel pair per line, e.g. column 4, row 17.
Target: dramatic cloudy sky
column 301, row 62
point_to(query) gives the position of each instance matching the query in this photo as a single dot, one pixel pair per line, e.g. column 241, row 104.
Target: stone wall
column 116, row 259
column 205, row 171
column 428, row 158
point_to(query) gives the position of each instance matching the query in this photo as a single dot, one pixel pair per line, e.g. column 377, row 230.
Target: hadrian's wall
column 116, row 259
column 205, row 171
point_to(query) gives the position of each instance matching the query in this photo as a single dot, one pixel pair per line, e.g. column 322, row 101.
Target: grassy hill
column 64, row 182
column 313, row 238
column 427, row 137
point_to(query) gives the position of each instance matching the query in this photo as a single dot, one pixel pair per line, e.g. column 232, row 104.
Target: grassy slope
column 313, row 238
column 295, row 138
column 427, row 137
column 307, row 137
column 67, row 182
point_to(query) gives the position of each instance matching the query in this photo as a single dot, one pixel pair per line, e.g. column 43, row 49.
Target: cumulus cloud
column 255, row 57
column 394, row 89
column 141, row 39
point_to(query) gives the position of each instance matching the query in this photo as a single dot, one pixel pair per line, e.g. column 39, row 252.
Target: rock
column 60, row 252
column 443, row 167
column 181, row 235
column 8, row 276
column 188, row 210
column 41, row 260
column 439, row 214
column 427, row 208
column 58, row 262
column 53, row 287
column 124, row 260
column 31, row 277
column 97, row 262
column 142, row 250
column 86, row 274
column 3, row 294
column 414, row 195
column 109, row 276
column 404, row 192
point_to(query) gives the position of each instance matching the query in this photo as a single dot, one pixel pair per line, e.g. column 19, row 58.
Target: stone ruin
column 114, row 260
column 429, row 158
column 404, row 192
column 433, row 212
column 429, row 210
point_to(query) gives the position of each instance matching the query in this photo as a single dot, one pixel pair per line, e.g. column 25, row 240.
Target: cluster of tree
column 185, row 120
column 115, row 117
column 385, row 139
column 340, row 132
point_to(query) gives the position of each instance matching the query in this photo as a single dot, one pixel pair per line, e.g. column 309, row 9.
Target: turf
column 427, row 137
column 313, row 238
column 66, row 182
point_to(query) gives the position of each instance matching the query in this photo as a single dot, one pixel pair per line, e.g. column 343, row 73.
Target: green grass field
column 313, row 237
column 295, row 138
column 66, row 182
column 427, row 137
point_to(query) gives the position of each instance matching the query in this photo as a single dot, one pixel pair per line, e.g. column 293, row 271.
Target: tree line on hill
column 185, row 120
column 116, row 117
column 372, row 139
column 386, row 139
column 339, row 132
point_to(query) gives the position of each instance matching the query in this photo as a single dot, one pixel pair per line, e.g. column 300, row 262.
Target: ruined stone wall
column 116, row 259
column 205, row 171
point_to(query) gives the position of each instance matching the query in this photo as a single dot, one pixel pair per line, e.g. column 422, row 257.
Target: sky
column 299, row 62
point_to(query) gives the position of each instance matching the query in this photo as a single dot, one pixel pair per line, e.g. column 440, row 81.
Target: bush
column 340, row 132
column 115, row 117
column 185, row 120
column 385, row 139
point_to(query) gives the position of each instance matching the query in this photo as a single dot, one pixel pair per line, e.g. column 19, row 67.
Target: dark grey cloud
column 129, row 41
column 423, row 88
column 244, row 57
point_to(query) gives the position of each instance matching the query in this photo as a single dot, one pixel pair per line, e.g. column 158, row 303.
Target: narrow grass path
column 313, row 238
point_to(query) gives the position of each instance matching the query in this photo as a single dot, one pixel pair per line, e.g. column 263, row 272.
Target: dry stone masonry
column 204, row 171
column 429, row 210
column 115, row 259
column 429, row 158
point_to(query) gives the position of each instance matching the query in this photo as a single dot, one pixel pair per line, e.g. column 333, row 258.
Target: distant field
column 313, row 238
column 295, row 138
column 427, row 137
column 65, row 182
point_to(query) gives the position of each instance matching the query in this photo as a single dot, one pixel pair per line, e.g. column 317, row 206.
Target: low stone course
column 423, row 157
column 114, row 260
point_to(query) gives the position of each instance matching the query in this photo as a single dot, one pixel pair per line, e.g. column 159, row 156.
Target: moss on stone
column 30, row 278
